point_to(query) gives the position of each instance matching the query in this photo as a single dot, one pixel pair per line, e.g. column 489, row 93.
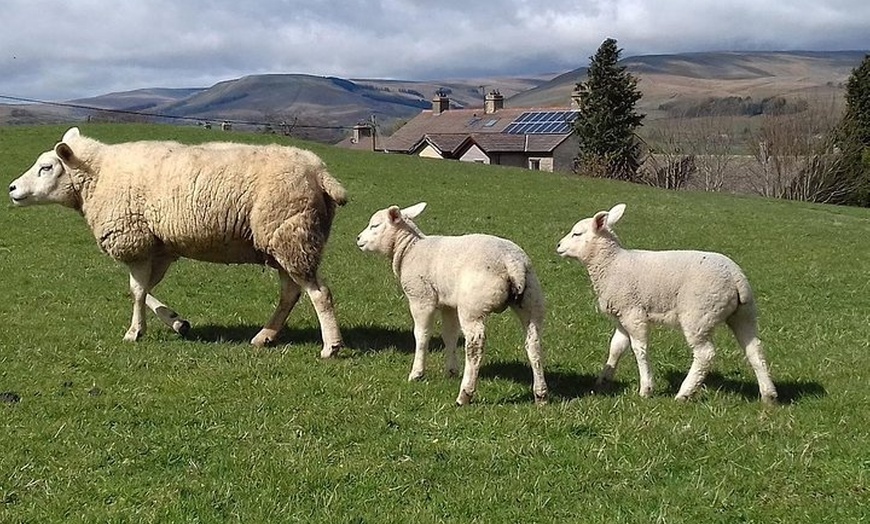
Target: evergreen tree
column 854, row 135
column 607, row 119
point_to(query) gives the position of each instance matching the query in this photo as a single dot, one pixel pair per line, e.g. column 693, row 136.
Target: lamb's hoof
column 415, row 376
column 132, row 335
column 182, row 327
column 682, row 398
column 331, row 351
column 464, row 398
column 770, row 400
column 542, row 399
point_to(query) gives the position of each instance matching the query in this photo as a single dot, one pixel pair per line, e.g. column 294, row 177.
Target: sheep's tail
column 744, row 291
column 517, row 272
column 333, row 188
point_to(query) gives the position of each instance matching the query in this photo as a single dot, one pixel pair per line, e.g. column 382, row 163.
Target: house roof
column 447, row 131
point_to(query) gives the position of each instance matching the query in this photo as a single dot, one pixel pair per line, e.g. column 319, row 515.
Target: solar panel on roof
column 542, row 123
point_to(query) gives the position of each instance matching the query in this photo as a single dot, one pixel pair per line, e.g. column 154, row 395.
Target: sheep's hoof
column 464, row 398
column 133, row 334
column 264, row 338
column 541, row 399
column 182, row 327
column 415, row 376
column 682, row 398
column 331, row 351
column 451, row 373
column 770, row 400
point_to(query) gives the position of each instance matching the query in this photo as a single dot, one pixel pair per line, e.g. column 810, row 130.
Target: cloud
column 53, row 50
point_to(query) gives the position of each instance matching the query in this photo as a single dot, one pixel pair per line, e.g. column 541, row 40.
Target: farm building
column 520, row 137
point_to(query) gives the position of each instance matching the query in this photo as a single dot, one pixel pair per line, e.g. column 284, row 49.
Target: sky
column 63, row 50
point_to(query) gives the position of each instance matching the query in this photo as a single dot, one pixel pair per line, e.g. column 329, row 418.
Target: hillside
column 323, row 108
column 687, row 79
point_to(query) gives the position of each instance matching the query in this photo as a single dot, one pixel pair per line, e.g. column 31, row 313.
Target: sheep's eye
column 44, row 170
column 576, row 234
column 374, row 226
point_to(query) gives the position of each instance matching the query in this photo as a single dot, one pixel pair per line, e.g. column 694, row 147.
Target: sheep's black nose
column 11, row 188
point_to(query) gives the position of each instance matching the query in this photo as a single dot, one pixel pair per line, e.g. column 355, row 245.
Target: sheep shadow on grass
column 789, row 392
column 363, row 339
column 563, row 385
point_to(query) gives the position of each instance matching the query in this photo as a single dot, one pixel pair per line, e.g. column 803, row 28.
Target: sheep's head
column 580, row 242
column 48, row 181
column 380, row 235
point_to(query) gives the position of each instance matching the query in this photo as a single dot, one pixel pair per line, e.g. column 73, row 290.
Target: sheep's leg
column 475, row 340
column 289, row 295
column 450, row 336
column 423, row 315
column 167, row 315
column 532, row 322
column 140, row 278
column 703, row 352
column 619, row 343
column 638, row 334
column 321, row 298
column 745, row 331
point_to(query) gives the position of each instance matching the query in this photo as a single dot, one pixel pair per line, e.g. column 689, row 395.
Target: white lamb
column 691, row 290
column 466, row 278
column 151, row 203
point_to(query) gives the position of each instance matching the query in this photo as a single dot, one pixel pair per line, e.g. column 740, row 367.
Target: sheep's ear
column 71, row 133
column 599, row 221
column 414, row 211
column 615, row 214
column 65, row 153
column 394, row 214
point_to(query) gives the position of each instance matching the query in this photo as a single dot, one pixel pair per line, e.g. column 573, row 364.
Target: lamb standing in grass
column 691, row 290
column 467, row 278
column 151, row 203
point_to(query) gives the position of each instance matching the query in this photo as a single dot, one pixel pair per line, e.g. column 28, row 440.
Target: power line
column 167, row 116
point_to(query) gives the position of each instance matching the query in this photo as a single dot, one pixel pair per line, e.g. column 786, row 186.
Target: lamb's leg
column 475, row 340
column 532, row 322
column 289, row 295
column 321, row 298
column 703, row 352
column 619, row 343
column 140, row 278
column 423, row 315
column 450, row 336
column 743, row 324
column 638, row 334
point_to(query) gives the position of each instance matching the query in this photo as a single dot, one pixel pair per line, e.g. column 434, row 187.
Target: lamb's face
column 377, row 235
column 46, row 182
column 577, row 243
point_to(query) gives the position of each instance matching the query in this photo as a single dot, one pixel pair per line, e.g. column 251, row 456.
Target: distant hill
column 323, row 108
column 673, row 82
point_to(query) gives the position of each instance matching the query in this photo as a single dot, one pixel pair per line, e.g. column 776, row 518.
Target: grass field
column 209, row 429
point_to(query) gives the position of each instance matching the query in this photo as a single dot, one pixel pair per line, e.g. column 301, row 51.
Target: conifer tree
column 606, row 124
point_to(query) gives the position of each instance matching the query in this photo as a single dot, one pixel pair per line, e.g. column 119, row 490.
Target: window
column 535, row 164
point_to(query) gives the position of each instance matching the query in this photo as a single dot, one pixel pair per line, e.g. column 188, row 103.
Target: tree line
column 798, row 151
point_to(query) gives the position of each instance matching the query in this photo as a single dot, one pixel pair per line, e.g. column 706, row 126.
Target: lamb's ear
column 599, row 221
column 394, row 214
column 414, row 211
column 615, row 214
column 71, row 134
column 65, row 153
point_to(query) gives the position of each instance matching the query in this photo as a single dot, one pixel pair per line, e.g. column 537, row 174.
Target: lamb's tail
column 333, row 188
column 744, row 291
column 517, row 272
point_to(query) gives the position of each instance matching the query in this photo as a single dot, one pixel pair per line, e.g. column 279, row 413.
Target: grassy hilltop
column 209, row 429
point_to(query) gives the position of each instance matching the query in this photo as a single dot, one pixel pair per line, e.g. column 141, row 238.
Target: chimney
column 575, row 97
column 493, row 102
column 363, row 132
column 440, row 103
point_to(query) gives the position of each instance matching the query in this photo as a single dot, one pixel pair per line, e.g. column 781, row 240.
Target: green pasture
column 210, row 429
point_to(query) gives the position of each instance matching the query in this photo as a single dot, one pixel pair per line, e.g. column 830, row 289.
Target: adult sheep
column 691, row 290
column 150, row 203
